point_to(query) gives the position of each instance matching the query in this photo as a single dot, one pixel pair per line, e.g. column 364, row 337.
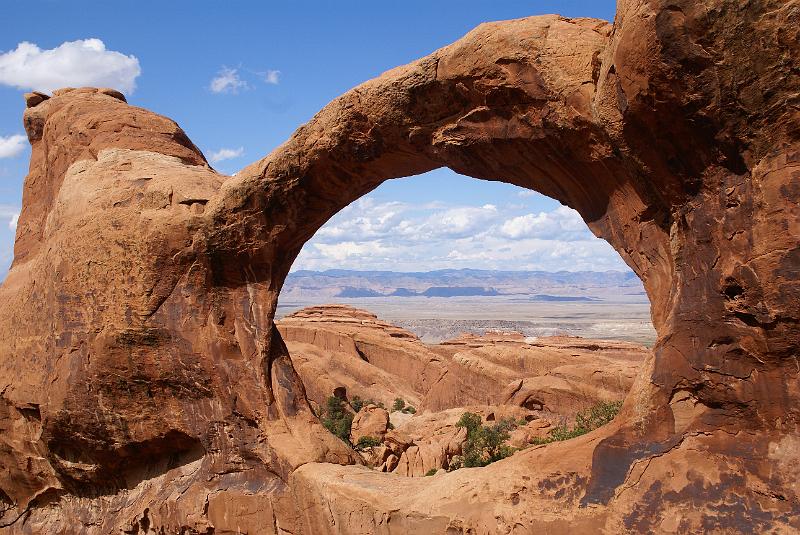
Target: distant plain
column 435, row 319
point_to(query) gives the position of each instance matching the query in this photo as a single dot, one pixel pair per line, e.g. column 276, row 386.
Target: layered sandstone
column 338, row 348
column 344, row 351
column 145, row 387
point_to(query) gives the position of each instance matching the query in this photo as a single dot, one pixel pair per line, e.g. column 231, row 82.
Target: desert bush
column 585, row 421
column 431, row 472
column 484, row 444
column 357, row 403
column 399, row 404
column 336, row 419
column 367, row 442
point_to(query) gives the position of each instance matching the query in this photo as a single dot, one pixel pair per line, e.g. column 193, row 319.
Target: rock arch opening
column 424, row 301
column 653, row 129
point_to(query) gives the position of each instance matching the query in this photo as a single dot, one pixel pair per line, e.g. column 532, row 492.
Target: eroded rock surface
column 137, row 317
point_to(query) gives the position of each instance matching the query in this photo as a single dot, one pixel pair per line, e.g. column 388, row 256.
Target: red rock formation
column 336, row 346
column 562, row 375
column 371, row 421
column 138, row 313
column 123, row 371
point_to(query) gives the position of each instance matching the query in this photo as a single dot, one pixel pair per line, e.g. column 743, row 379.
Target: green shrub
column 484, row 444
column 431, row 472
column 470, row 421
column 399, row 404
column 336, row 419
column 411, row 410
column 357, row 403
column 585, row 421
column 367, row 442
column 597, row 416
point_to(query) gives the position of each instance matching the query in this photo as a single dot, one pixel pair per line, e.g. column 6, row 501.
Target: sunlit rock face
column 145, row 387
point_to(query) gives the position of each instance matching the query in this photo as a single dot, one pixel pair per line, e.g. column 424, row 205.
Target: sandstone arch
column 143, row 380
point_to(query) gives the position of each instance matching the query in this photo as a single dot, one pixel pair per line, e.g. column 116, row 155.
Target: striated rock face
column 145, row 388
column 337, row 348
column 557, row 374
column 342, row 350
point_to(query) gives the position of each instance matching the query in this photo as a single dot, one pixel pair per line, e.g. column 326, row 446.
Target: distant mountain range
column 534, row 285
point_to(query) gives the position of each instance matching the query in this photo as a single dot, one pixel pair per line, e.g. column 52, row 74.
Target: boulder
column 370, row 421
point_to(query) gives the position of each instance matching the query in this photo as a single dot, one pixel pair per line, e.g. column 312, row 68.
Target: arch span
column 138, row 318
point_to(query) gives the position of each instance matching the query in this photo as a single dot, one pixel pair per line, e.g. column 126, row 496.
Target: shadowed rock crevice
column 673, row 133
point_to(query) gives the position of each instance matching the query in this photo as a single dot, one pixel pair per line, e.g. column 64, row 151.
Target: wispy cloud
column 225, row 154
column 84, row 62
column 227, row 80
column 10, row 214
column 12, row 145
column 232, row 80
column 272, row 77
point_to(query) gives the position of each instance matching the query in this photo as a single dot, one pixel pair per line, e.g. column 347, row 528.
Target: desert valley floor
column 435, row 319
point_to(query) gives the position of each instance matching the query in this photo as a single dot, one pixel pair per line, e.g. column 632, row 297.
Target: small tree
column 470, row 421
column 399, row 403
column 484, row 444
column 336, row 419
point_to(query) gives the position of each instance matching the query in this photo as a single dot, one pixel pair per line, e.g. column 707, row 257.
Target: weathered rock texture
column 340, row 347
column 341, row 350
column 145, row 387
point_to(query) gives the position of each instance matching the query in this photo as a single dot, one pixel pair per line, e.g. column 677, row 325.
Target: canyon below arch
column 145, row 387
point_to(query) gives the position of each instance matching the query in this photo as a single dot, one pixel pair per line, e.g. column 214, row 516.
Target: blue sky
column 240, row 77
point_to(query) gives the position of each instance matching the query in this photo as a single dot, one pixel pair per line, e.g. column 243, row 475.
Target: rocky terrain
column 545, row 382
column 144, row 387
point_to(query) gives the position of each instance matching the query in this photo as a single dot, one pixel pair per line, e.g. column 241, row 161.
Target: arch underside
column 652, row 129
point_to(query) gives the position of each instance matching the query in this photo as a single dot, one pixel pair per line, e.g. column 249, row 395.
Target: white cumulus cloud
column 227, row 80
column 85, row 62
column 402, row 236
column 13, row 145
column 562, row 223
column 225, row 154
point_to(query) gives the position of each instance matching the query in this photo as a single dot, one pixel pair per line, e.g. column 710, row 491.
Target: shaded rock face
column 137, row 317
